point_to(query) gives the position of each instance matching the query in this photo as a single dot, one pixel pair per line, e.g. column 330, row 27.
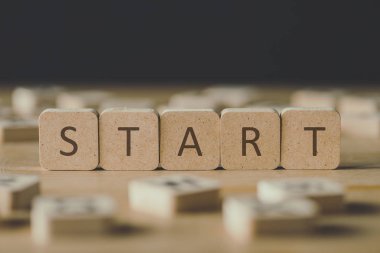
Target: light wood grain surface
column 355, row 230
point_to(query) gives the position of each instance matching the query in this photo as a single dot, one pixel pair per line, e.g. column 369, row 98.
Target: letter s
column 65, row 138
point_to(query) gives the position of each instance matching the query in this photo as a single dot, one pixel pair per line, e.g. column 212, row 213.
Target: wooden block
column 327, row 193
column 75, row 217
column 165, row 196
column 13, row 130
column 245, row 217
column 310, row 138
column 361, row 125
column 192, row 101
column 231, row 96
column 132, row 103
column 32, row 100
column 162, row 108
column 16, row 217
column 6, row 112
column 69, row 139
column 366, row 105
column 315, row 98
column 129, row 139
column 82, row 99
column 278, row 107
column 17, row 192
column 189, row 140
column 250, row 138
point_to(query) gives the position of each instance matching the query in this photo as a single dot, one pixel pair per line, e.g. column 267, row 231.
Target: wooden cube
column 17, row 192
column 189, row 140
column 30, row 101
column 231, row 96
column 360, row 104
column 82, row 99
column 361, row 125
column 250, row 138
column 12, row 130
column 165, row 196
column 130, row 102
column 310, row 138
column 278, row 107
column 327, row 193
column 6, row 112
column 69, row 139
column 315, row 98
column 245, row 217
column 192, row 101
column 129, row 139
column 74, row 217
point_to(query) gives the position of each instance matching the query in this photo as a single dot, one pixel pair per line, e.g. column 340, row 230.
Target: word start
column 237, row 139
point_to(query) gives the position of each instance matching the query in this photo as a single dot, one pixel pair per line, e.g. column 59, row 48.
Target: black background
column 190, row 41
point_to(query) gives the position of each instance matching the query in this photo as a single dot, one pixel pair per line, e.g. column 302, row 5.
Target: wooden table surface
column 355, row 230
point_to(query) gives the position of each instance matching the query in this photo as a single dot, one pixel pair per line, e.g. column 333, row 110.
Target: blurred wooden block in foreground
column 165, row 196
column 74, row 217
column 17, row 192
column 245, row 217
column 327, row 193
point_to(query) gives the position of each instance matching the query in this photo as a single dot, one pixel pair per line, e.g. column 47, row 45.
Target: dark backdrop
column 189, row 40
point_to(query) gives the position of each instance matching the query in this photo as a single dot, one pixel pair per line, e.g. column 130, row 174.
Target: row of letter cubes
column 140, row 139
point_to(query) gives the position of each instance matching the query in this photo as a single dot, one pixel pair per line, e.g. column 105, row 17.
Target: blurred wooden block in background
column 245, row 217
column 250, row 138
column 360, row 104
column 361, row 126
column 31, row 101
column 75, row 217
column 17, row 192
column 129, row 139
column 327, row 193
column 165, row 196
column 310, row 138
column 231, row 96
column 7, row 112
column 315, row 98
column 127, row 102
column 13, row 130
column 161, row 108
column 278, row 107
column 190, row 100
column 69, row 139
column 82, row 99
column 189, row 140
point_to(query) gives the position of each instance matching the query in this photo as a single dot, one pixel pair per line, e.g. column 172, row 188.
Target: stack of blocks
column 189, row 139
